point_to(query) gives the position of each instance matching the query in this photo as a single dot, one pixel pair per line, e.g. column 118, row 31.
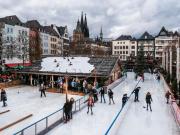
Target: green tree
column 140, row 61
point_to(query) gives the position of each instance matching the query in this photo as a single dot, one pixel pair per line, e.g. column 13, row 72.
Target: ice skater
column 136, row 93
column 124, row 99
column 110, row 94
column 66, row 111
column 148, row 101
column 167, row 95
column 102, row 92
column 90, row 104
column 158, row 78
column 95, row 94
column 71, row 102
column 3, row 97
column 42, row 90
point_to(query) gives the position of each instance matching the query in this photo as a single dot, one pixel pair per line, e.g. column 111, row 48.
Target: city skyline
column 116, row 17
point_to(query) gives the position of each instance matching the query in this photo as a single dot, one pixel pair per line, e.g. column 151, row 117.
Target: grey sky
column 116, row 16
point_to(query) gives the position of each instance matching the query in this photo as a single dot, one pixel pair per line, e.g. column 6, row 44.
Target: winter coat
column 110, row 93
column 102, row 91
column 71, row 104
column 66, row 108
column 148, row 99
column 124, row 99
column 90, row 101
column 3, row 96
column 136, row 91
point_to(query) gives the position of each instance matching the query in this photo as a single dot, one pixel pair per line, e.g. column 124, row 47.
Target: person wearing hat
column 136, row 93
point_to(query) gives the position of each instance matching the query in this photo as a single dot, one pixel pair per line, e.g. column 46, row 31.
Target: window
column 132, row 47
column 7, row 30
column 11, row 30
column 120, row 47
column 123, row 52
column 7, row 38
column 133, row 42
column 126, row 52
column 120, row 52
column 123, row 47
column 126, row 47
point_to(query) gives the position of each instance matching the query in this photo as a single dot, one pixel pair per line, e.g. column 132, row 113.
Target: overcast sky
column 115, row 16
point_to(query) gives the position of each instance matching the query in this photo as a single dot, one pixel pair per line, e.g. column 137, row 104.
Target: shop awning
column 15, row 65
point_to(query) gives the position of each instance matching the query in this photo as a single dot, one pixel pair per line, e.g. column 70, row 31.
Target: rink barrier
column 112, row 128
column 174, row 107
column 4, row 112
column 47, row 124
column 13, row 123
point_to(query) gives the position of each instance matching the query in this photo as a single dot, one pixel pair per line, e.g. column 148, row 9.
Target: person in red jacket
column 90, row 104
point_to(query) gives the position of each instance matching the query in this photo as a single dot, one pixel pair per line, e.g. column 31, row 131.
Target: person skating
column 95, row 94
column 42, row 90
column 110, row 94
column 66, row 110
column 136, row 93
column 167, row 95
column 71, row 102
column 90, row 104
column 148, row 101
column 102, row 92
column 158, row 78
column 124, row 99
column 3, row 97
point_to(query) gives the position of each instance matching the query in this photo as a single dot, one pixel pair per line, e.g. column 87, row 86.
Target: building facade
column 15, row 44
column 124, row 47
column 147, row 41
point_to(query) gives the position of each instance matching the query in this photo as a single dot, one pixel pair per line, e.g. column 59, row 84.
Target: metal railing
column 45, row 124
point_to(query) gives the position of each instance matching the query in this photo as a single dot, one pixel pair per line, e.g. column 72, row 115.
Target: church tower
column 101, row 34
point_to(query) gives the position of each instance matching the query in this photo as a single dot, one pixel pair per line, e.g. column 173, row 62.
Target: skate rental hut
column 52, row 70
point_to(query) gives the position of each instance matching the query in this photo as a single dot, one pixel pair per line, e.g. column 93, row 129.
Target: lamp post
column 66, row 88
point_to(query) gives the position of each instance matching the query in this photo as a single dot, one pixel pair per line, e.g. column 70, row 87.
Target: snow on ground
column 26, row 102
column 59, row 64
column 137, row 121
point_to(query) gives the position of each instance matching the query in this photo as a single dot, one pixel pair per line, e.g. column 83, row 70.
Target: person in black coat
column 124, row 99
column 66, row 110
column 136, row 93
column 102, row 92
column 110, row 94
column 71, row 102
column 3, row 97
column 148, row 101
column 95, row 94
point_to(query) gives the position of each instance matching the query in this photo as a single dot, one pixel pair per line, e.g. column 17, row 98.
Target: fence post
column 46, row 122
column 79, row 104
column 35, row 129
column 75, row 106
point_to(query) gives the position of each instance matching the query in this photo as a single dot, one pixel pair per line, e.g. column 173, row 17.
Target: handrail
column 111, row 125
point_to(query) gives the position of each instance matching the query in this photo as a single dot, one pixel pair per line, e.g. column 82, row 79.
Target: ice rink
column 136, row 121
column 28, row 101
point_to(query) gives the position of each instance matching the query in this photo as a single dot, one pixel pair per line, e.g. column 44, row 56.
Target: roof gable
column 146, row 36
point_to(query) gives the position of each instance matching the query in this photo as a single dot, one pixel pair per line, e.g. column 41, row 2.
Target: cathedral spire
column 82, row 21
column 101, row 34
